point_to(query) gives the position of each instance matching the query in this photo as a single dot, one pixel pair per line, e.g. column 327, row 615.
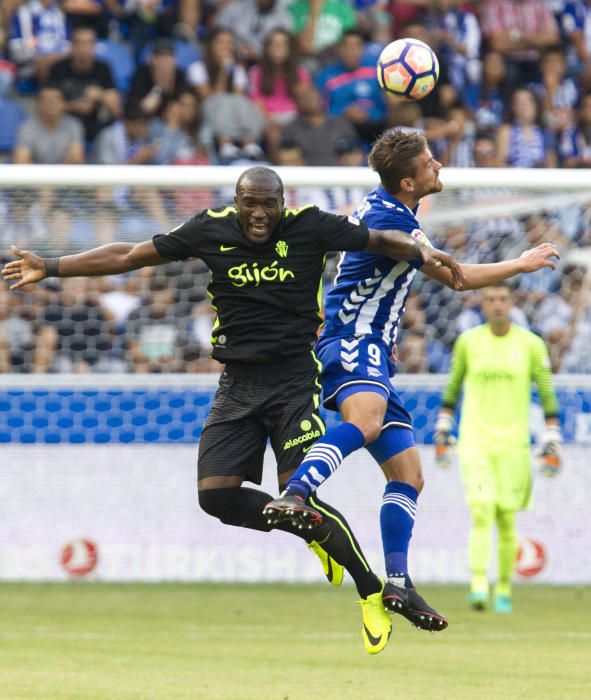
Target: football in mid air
column 408, row 69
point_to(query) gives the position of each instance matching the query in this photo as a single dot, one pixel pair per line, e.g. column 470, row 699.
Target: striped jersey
column 370, row 290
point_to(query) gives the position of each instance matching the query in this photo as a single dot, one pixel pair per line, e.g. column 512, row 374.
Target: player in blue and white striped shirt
column 362, row 314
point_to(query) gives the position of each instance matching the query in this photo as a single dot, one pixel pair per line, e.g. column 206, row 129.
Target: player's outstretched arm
column 398, row 245
column 482, row 275
column 110, row 259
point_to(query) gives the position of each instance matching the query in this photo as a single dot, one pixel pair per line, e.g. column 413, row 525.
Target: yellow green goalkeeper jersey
column 497, row 374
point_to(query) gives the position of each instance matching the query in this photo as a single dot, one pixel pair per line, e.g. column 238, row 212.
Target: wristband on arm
column 52, row 267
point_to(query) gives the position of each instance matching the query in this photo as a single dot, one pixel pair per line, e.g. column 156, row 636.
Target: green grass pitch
column 283, row 642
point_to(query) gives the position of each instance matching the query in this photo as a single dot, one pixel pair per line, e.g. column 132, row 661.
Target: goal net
column 99, row 439
column 483, row 215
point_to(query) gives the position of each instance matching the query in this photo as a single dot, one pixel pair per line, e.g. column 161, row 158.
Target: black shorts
column 255, row 403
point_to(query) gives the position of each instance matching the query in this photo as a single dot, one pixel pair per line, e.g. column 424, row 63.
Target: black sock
column 337, row 538
column 243, row 507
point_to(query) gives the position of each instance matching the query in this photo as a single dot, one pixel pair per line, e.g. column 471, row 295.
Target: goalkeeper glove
column 549, row 457
column 444, row 440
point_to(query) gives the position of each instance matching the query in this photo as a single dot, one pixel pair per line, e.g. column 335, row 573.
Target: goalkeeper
column 496, row 362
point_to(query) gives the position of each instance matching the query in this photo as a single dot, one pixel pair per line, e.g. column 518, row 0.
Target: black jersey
column 267, row 297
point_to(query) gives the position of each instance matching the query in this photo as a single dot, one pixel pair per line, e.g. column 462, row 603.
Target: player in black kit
column 266, row 266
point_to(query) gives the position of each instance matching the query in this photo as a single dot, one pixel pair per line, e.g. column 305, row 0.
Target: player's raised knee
column 221, row 504
column 370, row 427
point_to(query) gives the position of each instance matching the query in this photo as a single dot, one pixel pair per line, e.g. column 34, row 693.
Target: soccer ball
column 408, row 68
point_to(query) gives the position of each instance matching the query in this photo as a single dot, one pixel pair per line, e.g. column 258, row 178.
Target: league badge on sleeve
column 419, row 236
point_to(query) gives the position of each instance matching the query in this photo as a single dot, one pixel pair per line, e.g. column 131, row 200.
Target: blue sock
column 397, row 518
column 323, row 458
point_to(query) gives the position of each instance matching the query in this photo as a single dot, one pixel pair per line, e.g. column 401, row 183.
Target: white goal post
column 77, row 176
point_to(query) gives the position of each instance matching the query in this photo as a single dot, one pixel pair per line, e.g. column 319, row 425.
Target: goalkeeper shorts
column 504, row 479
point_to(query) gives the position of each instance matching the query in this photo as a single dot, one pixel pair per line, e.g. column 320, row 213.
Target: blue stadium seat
column 13, row 115
column 120, row 59
column 184, row 52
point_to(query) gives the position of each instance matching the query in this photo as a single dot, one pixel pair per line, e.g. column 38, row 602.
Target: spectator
column 461, row 244
column 314, row 131
column 273, row 83
column 290, row 153
column 557, row 317
column 412, row 352
column 405, row 11
column 119, row 297
column 485, row 150
column 577, row 353
column 458, row 37
column 418, row 355
column 532, row 292
column 521, row 30
column 404, row 114
column 184, row 140
column 24, row 220
column 319, row 24
column 86, row 13
column 200, row 327
column 373, row 20
column 7, row 11
column 220, row 71
column 338, row 200
column 236, row 123
column 52, row 136
column 191, row 13
column 457, row 149
column 155, row 335
column 252, row 21
column 141, row 21
column 153, row 85
column 437, row 131
column 559, row 95
column 575, row 24
column 87, row 84
column 13, row 113
column 350, row 89
column 38, row 38
column 575, row 142
column 491, row 235
column 350, row 154
column 74, row 334
column 492, row 93
column 17, row 333
column 522, row 143
column 130, row 140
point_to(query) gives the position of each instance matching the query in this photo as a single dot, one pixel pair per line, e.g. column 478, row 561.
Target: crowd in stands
column 281, row 82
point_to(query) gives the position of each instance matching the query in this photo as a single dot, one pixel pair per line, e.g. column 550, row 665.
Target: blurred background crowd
column 281, row 82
